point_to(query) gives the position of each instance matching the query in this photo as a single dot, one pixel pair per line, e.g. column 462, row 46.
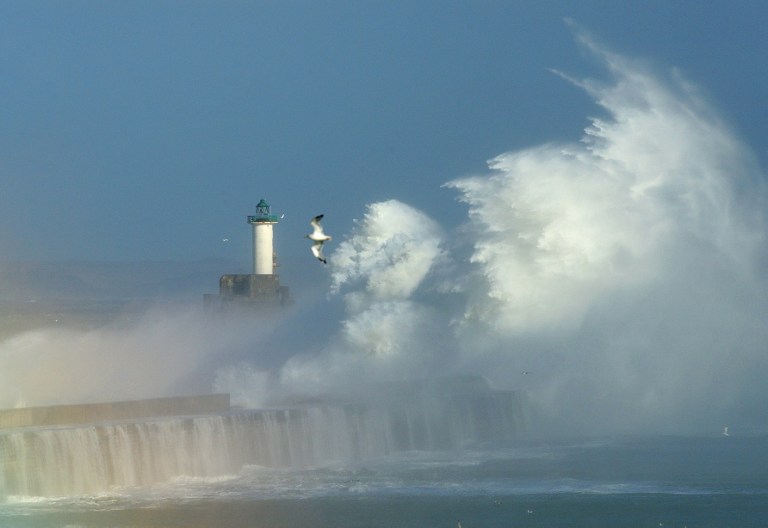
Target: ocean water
column 649, row 481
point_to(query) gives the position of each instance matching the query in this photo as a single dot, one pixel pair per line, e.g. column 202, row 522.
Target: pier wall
column 113, row 411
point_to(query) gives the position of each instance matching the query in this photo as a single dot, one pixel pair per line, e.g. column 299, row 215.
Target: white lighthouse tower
column 263, row 253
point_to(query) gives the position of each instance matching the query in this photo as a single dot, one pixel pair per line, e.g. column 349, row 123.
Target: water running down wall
column 90, row 459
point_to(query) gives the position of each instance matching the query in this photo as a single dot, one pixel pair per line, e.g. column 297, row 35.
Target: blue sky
column 149, row 130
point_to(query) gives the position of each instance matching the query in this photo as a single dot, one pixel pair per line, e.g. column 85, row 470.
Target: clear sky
column 148, row 130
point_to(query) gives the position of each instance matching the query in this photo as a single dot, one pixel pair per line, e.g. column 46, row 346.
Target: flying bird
column 725, row 431
column 318, row 237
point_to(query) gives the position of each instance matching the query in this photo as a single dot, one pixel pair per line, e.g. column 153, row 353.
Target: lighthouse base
column 248, row 291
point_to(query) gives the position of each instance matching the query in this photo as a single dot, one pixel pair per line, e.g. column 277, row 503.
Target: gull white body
column 318, row 237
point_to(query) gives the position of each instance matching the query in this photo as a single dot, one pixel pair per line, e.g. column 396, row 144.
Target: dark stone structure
column 248, row 291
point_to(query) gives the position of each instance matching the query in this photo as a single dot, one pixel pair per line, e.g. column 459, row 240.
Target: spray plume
column 615, row 279
column 377, row 269
column 624, row 270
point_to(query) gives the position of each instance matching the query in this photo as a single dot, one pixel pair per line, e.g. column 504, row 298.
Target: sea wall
column 113, row 411
column 88, row 459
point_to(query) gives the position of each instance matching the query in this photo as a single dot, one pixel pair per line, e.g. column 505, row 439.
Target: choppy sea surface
column 665, row 481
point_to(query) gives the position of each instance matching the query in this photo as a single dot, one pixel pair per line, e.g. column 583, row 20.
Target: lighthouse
column 259, row 291
column 263, row 253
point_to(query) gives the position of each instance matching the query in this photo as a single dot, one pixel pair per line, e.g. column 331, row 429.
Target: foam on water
column 508, row 472
column 610, row 482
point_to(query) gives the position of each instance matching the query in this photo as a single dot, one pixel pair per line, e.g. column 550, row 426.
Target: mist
column 617, row 280
column 168, row 349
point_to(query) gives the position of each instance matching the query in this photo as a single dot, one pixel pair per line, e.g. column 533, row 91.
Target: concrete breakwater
column 93, row 458
column 113, row 411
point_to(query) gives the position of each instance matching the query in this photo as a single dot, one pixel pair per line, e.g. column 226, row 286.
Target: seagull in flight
column 725, row 431
column 318, row 237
